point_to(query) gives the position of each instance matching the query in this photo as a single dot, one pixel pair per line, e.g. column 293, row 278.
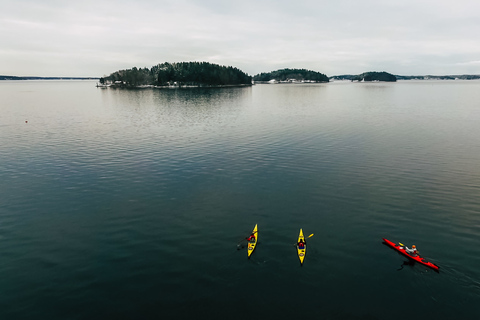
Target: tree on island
column 283, row 75
column 375, row 76
column 181, row 74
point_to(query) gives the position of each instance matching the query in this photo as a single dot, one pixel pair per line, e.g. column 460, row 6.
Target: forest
column 179, row 74
column 375, row 76
column 284, row 75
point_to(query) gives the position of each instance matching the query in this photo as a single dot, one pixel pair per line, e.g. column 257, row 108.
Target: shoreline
column 151, row 86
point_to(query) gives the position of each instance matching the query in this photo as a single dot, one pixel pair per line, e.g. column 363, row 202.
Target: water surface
column 129, row 204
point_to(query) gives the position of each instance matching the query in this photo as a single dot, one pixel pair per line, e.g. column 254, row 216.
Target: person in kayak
column 412, row 251
column 251, row 238
column 301, row 244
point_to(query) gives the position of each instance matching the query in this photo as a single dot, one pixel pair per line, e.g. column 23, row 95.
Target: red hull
column 416, row 258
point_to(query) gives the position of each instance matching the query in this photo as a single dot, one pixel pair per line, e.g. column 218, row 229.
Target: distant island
column 46, row 78
column 384, row 76
column 368, row 76
column 205, row 74
column 452, row 77
column 181, row 74
column 291, row 75
column 375, row 76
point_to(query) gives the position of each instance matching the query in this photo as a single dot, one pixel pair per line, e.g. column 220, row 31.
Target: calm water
column 118, row 204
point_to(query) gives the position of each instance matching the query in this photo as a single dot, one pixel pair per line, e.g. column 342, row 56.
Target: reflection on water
column 183, row 107
column 120, row 203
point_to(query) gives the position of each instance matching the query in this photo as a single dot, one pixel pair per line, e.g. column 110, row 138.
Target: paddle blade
column 310, row 236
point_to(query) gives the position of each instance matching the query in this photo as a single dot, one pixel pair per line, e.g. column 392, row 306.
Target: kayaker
column 251, row 238
column 412, row 251
column 301, row 244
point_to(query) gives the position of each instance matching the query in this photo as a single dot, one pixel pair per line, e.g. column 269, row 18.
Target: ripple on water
column 138, row 199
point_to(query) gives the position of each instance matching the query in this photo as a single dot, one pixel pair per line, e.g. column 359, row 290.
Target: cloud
column 88, row 38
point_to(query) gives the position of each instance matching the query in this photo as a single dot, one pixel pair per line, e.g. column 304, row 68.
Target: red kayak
column 416, row 257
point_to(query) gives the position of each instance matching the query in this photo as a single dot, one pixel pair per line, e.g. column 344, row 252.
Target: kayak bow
column 416, row 257
column 252, row 243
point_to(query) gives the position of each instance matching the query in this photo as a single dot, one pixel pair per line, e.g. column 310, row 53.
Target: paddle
column 404, row 246
column 245, row 238
column 305, row 239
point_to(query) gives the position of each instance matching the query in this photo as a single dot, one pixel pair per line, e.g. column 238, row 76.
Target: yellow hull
column 252, row 244
column 301, row 252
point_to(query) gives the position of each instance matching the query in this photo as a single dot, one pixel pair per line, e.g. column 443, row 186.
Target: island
column 368, row 76
column 290, row 75
column 45, row 78
column 178, row 75
column 451, row 77
column 384, row 76
column 204, row 74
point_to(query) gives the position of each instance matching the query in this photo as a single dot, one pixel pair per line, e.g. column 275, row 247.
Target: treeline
column 283, row 75
column 384, row 76
column 429, row 77
column 375, row 76
column 180, row 74
column 45, row 78
column 368, row 76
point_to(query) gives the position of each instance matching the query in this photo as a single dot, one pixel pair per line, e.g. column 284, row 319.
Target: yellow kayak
column 253, row 243
column 301, row 251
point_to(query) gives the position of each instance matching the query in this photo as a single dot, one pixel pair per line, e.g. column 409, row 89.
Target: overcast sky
column 96, row 38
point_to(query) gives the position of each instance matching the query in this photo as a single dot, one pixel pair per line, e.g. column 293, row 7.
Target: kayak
column 252, row 243
column 301, row 252
column 416, row 257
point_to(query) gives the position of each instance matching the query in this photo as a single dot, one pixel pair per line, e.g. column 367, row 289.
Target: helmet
column 413, row 246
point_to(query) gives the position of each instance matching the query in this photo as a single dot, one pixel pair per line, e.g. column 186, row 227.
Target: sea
column 135, row 204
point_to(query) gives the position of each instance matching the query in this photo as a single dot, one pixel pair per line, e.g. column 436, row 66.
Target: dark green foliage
column 343, row 77
column 46, row 78
column 131, row 77
column 375, row 76
column 468, row 77
column 292, row 74
column 410, row 77
column 181, row 74
column 430, row 77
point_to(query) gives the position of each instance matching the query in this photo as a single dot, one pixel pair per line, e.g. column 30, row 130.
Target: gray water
column 132, row 204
